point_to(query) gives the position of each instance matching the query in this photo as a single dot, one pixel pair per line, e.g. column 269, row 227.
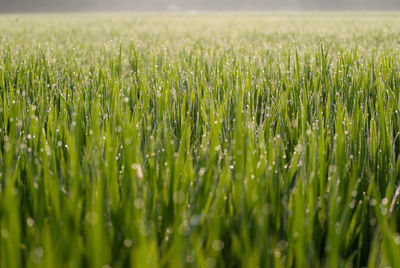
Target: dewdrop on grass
column 139, row 171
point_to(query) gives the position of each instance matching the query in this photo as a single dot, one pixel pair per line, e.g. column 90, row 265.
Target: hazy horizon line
column 201, row 11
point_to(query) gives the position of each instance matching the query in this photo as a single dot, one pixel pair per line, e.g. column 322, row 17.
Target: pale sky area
column 192, row 5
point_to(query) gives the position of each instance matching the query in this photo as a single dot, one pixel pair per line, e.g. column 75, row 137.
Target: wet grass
column 247, row 140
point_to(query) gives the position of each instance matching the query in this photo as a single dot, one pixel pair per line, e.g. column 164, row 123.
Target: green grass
column 239, row 140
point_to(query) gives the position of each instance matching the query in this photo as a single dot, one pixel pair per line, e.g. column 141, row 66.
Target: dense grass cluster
column 199, row 141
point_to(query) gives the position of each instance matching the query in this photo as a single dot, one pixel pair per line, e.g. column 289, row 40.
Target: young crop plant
column 208, row 140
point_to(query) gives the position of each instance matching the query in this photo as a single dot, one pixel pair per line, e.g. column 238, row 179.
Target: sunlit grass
column 240, row 140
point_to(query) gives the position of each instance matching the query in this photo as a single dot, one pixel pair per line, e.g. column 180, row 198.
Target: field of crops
column 200, row 140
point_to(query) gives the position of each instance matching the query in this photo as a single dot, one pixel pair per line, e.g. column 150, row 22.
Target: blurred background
column 17, row 6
